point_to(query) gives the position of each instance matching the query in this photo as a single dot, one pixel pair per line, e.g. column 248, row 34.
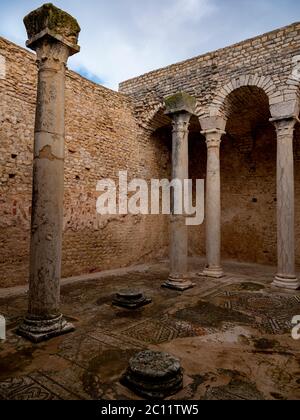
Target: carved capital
column 50, row 25
column 52, row 56
column 179, row 103
column 181, row 122
column 213, row 137
column 285, row 127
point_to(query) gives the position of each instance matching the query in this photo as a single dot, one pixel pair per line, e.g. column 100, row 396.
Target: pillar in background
column 286, row 276
column 180, row 108
column 53, row 34
column 213, row 204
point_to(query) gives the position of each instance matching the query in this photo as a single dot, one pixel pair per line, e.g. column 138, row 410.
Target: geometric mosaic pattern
column 157, row 332
column 234, row 392
column 272, row 313
column 24, row 389
column 88, row 363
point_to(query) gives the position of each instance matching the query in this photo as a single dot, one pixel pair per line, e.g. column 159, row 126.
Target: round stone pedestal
column 131, row 299
column 153, row 375
column 38, row 330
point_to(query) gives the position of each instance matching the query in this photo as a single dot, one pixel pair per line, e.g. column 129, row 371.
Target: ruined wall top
column 270, row 62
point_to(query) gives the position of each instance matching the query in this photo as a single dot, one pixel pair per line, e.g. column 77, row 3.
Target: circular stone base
column 154, row 375
column 38, row 330
column 130, row 299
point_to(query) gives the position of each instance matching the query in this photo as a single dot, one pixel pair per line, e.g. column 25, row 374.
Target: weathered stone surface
column 154, row 375
column 180, row 102
column 221, row 82
column 50, row 21
column 39, row 330
column 131, row 299
column 220, row 331
column 286, row 276
column 178, row 278
column 213, row 204
column 44, row 319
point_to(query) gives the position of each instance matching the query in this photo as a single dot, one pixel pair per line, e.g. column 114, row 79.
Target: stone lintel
column 180, row 102
column 285, row 118
column 285, row 110
column 215, row 131
column 213, row 123
column 50, row 22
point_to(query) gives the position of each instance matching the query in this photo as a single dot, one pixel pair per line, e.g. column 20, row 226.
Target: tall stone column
column 213, row 204
column 180, row 107
column 53, row 34
column 286, row 277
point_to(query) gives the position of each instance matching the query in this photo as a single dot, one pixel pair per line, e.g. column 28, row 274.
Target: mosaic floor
column 233, row 337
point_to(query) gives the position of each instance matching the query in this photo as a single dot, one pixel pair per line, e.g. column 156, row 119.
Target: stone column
column 213, row 204
column 53, row 34
column 286, row 277
column 180, row 107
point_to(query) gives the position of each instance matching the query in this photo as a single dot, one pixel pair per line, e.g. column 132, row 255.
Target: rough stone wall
column 265, row 61
column 248, row 188
column 102, row 137
column 260, row 71
column 108, row 131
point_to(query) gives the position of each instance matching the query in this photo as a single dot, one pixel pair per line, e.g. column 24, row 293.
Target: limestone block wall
column 108, row 131
column 267, row 61
column 102, row 137
column 269, row 64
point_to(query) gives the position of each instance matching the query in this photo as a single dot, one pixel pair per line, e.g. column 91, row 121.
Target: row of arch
column 244, row 105
column 283, row 101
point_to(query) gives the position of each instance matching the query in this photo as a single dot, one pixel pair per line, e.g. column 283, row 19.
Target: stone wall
column 266, row 61
column 108, row 131
column 246, row 83
column 102, row 137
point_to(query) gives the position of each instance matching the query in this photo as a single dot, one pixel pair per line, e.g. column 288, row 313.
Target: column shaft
column 53, row 34
column 286, row 277
column 179, row 240
column 179, row 278
column 213, row 205
column 48, row 188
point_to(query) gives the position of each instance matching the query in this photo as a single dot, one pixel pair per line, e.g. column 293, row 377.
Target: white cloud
column 149, row 35
column 121, row 39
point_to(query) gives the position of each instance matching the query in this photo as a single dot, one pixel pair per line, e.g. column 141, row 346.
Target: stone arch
column 156, row 114
column 218, row 106
column 148, row 118
column 156, row 118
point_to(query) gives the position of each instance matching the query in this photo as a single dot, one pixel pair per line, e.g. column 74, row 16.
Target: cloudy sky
column 121, row 39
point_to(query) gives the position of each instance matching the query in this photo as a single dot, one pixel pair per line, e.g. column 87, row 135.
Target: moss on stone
column 50, row 17
column 180, row 102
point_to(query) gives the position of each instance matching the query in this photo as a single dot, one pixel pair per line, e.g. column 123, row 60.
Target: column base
column 180, row 284
column 291, row 283
column 39, row 330
column 216, row 273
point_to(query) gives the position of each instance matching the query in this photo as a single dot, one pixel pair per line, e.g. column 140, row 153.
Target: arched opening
column 161, row 139
column 160, row 134
column 155, row 155
column 197, row 170
column 248, row 178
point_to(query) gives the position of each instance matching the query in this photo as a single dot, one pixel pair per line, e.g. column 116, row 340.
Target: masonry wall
column 248, row 177
column 102, row 137
column 267, row 56
column 108, row 131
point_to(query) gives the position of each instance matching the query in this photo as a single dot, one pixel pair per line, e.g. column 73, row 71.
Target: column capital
column 50, row 25
column 181, row 122
column 285, row 126
column 213, row 137
column 181, row 102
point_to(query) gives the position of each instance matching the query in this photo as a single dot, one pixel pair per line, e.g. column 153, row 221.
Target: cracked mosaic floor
column 233, row 337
